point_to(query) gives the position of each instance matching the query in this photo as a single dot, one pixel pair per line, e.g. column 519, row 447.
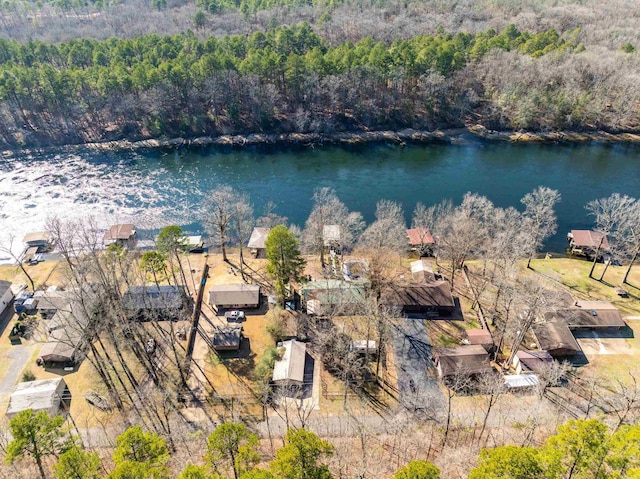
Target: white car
column 234, row 315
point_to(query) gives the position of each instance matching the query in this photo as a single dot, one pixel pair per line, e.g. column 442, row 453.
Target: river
column 160, row 187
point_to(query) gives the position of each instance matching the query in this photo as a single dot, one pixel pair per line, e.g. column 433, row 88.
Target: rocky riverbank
column 401, row 137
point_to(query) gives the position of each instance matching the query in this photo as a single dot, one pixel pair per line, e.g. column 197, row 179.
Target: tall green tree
column 192, row 471
column 577, row 450
column 136, row 445
column 285, row 263
column 78, row 464
column 139, row 470
column 301, row 457
column 37, row 435
column 171, row 242
column 624, row 452
column 418, row 470
column 508, row 462
column 232, row 446
column 153, row 262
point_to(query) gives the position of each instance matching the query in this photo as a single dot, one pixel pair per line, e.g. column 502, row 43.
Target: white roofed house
column 48, row 395
column 257, row 242
column 289, row 369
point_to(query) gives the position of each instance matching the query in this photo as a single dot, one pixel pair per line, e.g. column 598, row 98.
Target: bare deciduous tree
column 542, row 221
column 219, row 212
column 388, row 231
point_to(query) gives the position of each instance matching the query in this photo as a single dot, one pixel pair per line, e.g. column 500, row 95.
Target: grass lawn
column 573, row 274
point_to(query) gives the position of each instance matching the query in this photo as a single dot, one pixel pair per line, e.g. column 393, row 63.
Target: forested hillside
column 79, row 70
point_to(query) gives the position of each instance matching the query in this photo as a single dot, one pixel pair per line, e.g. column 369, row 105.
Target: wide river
column 162, row 187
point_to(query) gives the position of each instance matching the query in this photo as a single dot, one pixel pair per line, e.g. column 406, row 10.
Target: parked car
column 234, row 315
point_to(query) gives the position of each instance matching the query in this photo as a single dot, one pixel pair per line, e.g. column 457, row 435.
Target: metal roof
column 589, row 239
column 515, row 381
column 330, row 233
column 291, row 366
column 153, row 297
column 43, row 395
column 39, row 237
column 431, row 294
column 239, row 293
column 258, row 238
column 419, row 236
column 120, row 232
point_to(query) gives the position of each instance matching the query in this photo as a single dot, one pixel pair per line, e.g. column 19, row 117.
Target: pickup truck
column 234, row 315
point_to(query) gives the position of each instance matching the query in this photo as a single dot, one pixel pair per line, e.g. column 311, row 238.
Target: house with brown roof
column 470, row 360
column 121, row 234
column 432, row 299
column 227, row 338
column 232, row 296
column 257, row 242
column 556, row 338
column 421, row 241
column 587, row 242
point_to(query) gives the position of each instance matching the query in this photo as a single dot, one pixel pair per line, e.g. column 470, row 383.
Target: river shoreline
column 402, row 137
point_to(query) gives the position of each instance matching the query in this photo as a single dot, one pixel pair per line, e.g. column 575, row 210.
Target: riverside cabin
column 256, row 244
column 421, row 241
column 587, row 242
column 121, row 235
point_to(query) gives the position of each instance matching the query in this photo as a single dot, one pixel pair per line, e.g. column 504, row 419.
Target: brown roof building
column 531, row 361
column 434, row 299
column 582, row 241
column 238, row 295
column 419, row 236
column 556, row 338
column 480, row 337
column 589, row 315
column 123, row 234
column 468, row 360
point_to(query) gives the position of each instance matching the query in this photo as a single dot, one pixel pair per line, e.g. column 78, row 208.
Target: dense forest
column 76, row 71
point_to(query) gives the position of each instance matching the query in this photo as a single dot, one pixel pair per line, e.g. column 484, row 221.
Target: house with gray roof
column 48, row 395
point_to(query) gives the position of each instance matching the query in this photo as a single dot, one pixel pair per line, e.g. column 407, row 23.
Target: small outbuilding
column 521, row 382
column 121, row 234
column 556, row 338
column 47, row 395
column 193, row 244
column 227, row 339
column 42, row 240
column 471, row 360
column 289, row 369
column 587, row 242
column 534, row 361
column 239, row 295
column 421, row 241
column 257, row 242
column 480, row 337
column 6, row 295
column 433, row 299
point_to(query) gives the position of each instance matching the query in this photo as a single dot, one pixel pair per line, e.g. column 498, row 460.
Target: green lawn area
column 574, row 275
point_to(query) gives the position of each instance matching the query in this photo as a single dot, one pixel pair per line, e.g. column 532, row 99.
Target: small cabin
column 227, row 339
column 257, row 242
column 234, row 296
column 587, row 242
column 121, row 235
column 289, row 369
column 421, row 241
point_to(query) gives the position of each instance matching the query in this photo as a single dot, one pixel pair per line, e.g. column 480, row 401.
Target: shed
column 257, row 241
column 227, row 339
column 331, row 235
column 6, row 295
column 556, row 339
column 422, row 271
column 39, row 239
column 470, row 360
column 44, row 395
column 239, row 295
column 535, row 361
column 121, row 234
column 482, row 337
column 434, row 299
column 587, row 241
column 162, row 302
column 193, row 244
column 289, row 369
column 419, row 237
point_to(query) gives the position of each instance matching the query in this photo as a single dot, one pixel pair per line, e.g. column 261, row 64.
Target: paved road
column 412, row 349
column 19, row 355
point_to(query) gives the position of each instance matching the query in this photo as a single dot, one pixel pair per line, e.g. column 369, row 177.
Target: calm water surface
column 156, row 188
